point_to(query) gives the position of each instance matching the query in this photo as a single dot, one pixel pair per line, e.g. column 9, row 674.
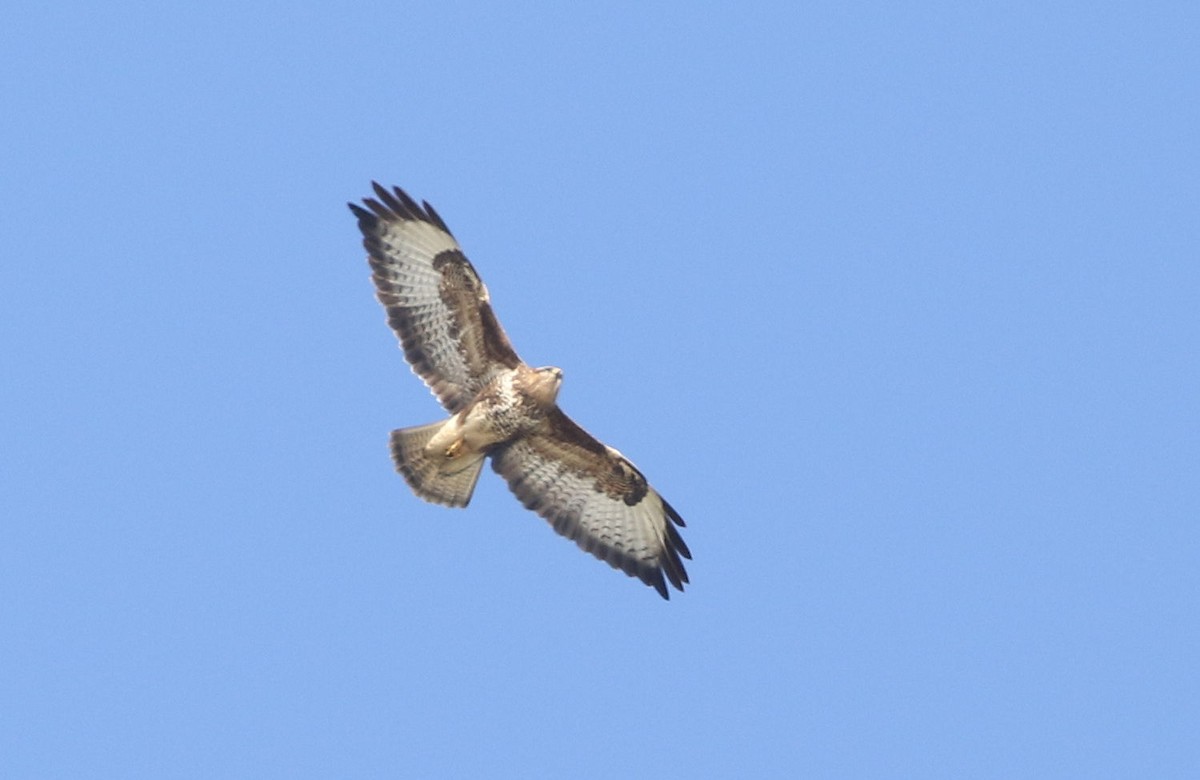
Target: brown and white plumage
column 500, row 407
column 435, row 301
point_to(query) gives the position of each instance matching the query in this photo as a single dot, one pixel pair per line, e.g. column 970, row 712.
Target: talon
column 454, row 449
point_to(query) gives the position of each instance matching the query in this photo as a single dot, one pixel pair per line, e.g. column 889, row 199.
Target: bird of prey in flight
column 500, row 407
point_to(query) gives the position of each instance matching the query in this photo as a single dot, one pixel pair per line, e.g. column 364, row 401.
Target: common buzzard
column 501, row 407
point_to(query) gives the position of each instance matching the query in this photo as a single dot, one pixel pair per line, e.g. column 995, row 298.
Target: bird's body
column 512, row 404
column 501, row 407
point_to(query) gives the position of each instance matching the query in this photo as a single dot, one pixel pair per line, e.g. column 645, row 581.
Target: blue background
column 897, row 303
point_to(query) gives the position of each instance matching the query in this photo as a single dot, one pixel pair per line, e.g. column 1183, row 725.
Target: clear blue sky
column 896, row 303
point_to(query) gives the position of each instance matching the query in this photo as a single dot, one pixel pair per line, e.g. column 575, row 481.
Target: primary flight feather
column 499, row 406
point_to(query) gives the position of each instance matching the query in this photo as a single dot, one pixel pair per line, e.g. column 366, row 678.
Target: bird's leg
column 455, row 449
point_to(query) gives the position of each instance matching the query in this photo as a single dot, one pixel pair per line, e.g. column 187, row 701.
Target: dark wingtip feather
column 675, row 542
column 410, row 205
column 389, row 204
column 364, row 217
column 674, row 567
column 378, row 210
column 671, row 513
column 673, row 548
column 380, row 190
column 659, row 585
column 435, row 217
column 398, row 206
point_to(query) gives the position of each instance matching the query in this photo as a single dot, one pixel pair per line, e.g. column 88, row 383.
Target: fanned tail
column 431, row 478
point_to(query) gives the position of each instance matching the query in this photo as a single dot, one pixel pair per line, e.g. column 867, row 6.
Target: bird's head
column 546, row 381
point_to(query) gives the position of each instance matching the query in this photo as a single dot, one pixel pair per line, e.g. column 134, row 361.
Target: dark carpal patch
column 463, row 292
column 623, row 481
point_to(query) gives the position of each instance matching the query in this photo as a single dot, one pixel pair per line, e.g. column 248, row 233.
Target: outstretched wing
column 591, row 493
column 435, row 301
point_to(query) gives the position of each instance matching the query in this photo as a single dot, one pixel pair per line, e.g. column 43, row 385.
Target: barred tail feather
column 425, row 475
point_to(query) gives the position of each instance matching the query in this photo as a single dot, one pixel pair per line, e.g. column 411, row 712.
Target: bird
column 500, row 407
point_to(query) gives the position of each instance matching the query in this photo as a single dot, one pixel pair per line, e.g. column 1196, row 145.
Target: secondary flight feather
column 500, row 407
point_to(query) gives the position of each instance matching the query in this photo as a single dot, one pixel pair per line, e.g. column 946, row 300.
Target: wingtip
column 671, row 513
column 393, row 203
column 435, row 217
